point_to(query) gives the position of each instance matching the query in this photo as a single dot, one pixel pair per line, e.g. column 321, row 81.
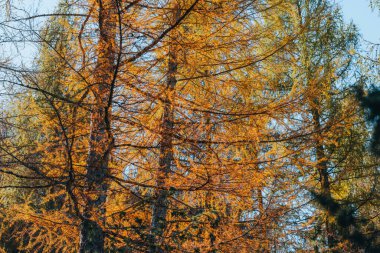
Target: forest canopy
column 187, row 126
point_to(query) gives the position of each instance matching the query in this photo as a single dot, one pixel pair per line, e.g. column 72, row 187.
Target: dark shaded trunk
column 160, row 202
column 324, row 177
column 101, row 139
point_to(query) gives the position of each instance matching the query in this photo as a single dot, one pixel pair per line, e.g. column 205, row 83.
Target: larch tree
column 335, row 118
column 178, row 126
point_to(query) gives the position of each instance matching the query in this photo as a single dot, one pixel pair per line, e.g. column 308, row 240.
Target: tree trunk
column 160, row 202
column 101, row 139
column 324, row 177
column 264, row 247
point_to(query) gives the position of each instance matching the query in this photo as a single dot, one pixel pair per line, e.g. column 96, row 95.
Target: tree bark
column 264, row 247
column 160, row 202
column 101, row 139
column 324, row 177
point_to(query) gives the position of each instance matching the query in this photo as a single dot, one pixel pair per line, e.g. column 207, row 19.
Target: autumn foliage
column 185, row 126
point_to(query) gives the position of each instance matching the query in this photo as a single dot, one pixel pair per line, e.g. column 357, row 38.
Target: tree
column 180, row 126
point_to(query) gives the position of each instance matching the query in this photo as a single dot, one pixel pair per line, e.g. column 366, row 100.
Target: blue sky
column 367, row 20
